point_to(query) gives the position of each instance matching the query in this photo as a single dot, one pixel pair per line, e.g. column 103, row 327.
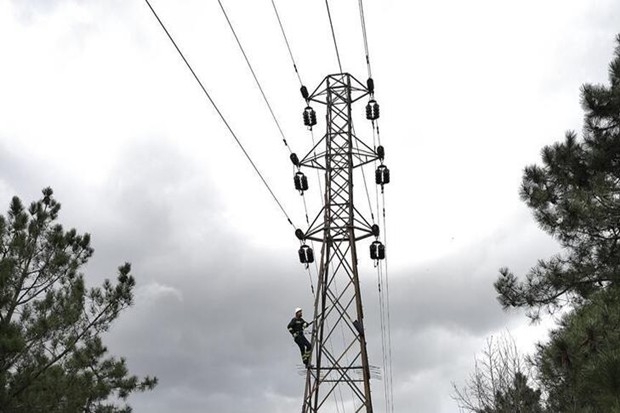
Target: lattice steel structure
column 339, row 357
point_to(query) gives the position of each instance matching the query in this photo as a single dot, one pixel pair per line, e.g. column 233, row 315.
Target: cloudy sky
column 95, row 102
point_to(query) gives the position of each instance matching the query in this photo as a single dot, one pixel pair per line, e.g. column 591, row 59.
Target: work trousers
column 304, row 347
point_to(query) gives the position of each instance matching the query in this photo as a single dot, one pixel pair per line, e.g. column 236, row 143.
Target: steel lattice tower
column 339, row 357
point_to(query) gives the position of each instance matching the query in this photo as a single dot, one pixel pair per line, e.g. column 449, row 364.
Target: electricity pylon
column 339, row 361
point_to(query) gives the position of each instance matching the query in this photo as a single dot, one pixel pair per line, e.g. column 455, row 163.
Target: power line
column 383, row 339
column 254, row 75
column 363, row 21
column 384, row 298
column 384, row 294
column 387, row 293
column 219, row 113
column 288, row 46
column 331, row 24
column 372, row 214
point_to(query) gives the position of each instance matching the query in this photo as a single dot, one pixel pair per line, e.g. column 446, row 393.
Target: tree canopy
column 575, row 197
column 52, row 358
column 580, row 365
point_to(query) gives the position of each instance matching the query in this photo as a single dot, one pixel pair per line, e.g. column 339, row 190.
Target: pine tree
column 580, row 365
column 52, row 358
column 575, row 197
column 519, row 397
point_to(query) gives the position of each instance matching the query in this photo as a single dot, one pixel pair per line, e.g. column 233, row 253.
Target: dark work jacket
column 296, row 326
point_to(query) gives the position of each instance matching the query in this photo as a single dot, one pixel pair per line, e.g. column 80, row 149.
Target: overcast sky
column 95, row 102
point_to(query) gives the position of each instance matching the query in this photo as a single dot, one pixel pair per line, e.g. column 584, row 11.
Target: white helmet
column 297, row 310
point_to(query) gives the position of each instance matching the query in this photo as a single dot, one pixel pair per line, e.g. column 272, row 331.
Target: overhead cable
column 384, row 294
column 331, row 24
column 363, row 22
column 372, row 214
column 219, row 113
column 387, row 304
column 383, row 337
column 254, row 75
column 288, row 46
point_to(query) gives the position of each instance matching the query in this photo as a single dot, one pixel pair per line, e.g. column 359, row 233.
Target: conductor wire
column 363, row 22
column 220, row 113
column 331, row 25
column 288, row 46
column 245, row 56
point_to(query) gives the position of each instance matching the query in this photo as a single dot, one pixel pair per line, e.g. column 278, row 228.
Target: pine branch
column 62, row 354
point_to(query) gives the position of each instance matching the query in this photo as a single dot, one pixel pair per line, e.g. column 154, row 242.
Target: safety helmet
column 297, row 310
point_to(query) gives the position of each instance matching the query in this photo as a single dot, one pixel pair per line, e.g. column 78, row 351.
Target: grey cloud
column 457, row 291
column 16, row 172
column 223, row 338
column 211, row 309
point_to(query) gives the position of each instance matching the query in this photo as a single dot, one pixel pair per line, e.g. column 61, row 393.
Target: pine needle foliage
column 575, row 197
column 52, row 358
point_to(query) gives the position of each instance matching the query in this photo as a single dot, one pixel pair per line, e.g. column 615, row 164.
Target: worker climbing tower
column 339, row 360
